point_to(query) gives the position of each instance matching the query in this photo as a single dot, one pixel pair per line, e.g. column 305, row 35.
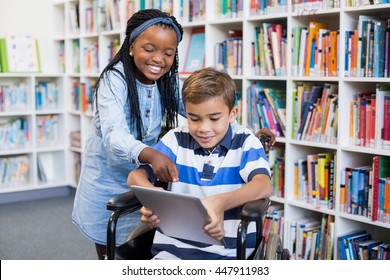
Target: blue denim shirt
column 111, row 152
column 112, row 120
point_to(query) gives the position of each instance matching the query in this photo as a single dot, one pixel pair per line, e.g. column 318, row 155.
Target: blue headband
column 165, row 20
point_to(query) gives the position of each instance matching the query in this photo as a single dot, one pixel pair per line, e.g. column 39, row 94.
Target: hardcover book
column 196, row 51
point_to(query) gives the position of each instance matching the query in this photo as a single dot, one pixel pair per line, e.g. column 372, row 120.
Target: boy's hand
column 164, row 168
column 148, row 218
column 215, row 228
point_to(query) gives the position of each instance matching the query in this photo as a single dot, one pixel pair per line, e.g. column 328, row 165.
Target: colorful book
column 313, row 29
column 379, row 49
column 196, row 51
column 323, row 160
column 382, row 91
column 342, row 242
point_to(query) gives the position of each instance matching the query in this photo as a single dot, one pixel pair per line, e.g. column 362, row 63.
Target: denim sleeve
column 114, row 113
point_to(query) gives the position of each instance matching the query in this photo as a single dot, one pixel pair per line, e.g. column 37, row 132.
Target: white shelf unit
column 50, row 153
column 342, row 19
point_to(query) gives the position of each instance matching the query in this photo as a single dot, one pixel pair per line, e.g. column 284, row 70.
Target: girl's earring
column 131, row 54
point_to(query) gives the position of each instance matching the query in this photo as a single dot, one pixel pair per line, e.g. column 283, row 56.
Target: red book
column 362, row 122
column 386, row 123
column 375, row 174
column 381, row 168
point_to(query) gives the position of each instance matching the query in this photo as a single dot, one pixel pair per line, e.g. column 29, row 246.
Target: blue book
column 196, row 51
column 363, row 182
column 353, row 244
column 379, row 48
column 315, row 93
column 365, row 249
column 347, row 53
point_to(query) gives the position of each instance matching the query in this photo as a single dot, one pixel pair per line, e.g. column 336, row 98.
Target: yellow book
column 323, row 160
column 313, row 29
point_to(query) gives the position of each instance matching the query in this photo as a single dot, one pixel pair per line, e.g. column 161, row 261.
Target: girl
column 135, row 93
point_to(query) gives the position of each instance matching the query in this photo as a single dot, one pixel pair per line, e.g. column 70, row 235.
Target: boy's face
column 154, row 52
column 209, row 121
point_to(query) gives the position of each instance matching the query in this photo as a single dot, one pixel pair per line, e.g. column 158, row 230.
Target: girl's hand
column 215, row 228
column 269, row 133
column 164, row 168
column 148, row 218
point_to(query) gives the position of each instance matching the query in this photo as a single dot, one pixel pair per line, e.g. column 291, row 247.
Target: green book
column 3, row 56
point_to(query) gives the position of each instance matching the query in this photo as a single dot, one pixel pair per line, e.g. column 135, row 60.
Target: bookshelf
column 32, row 152
column 341, row 18
column 72, row 44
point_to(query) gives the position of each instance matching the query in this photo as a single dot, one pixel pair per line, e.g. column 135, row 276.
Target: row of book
column 267, row 108
column 75, row 139
column 228, row 54
column 315, row 50
column 75, row 56
column 360, row 245
column 90, row 55
column 306, row 7
column 273, row 222
column 192, row 10
column 48, row 130
column 133, row 6
column 359, row 3
column 14, row 171
column 100, row 15
column 19, row 53
column 91, row 58
column 310, row 238
column 238, row 104
column 229, row 8
column 42, row 177
column 14, row 134
column 269, row 50
column 82, row 95
column 13, row 97
column 315, row 110
column 46, row 95
column 76, row 166
column 365, row 189
column 315, row 178
column 367, row 48
column 267, row 7
column 276, row 162
column 369, row 123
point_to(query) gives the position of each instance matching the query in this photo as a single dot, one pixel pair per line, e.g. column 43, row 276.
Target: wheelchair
column 138, row 244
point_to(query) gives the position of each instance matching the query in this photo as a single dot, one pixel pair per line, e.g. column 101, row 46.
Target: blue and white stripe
column 238, row 158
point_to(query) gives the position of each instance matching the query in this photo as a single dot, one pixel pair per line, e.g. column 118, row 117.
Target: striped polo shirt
column 234, row 162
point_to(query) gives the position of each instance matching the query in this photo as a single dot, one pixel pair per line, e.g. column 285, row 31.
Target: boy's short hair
column 207, row 83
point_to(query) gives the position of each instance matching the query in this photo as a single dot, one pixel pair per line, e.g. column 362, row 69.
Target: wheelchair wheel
column 273, row 247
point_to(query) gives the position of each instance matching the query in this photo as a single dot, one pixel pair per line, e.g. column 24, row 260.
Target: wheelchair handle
column 264, row 139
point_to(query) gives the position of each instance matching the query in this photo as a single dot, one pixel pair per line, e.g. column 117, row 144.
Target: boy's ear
column 233, row 114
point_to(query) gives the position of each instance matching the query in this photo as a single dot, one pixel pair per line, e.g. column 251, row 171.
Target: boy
column 224, row 165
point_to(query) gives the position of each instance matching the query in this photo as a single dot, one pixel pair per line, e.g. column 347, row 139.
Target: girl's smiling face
column 154, row 53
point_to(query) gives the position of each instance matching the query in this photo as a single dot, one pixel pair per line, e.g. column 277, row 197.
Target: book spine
column 387, row 51
column 386, row 123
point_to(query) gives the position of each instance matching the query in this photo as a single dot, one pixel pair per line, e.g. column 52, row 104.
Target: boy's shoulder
column 239, row 129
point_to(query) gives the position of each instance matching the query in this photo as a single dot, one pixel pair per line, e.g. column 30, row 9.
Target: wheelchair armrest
column 255, row 210
column 124, row 202
column 120, row 204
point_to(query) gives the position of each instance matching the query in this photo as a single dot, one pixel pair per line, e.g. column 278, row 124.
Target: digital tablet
column 181, row 215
